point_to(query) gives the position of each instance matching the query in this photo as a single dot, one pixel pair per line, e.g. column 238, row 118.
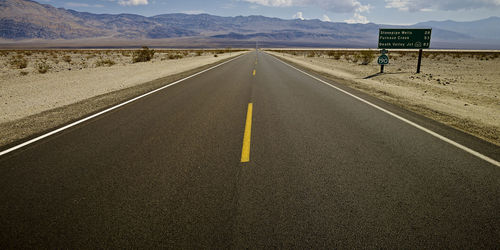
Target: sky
column 400, row 12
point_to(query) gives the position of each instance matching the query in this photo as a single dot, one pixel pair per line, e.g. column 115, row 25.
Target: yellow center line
column 254, row 72
column 245, row 151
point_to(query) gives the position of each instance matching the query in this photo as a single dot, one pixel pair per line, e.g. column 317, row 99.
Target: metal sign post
column 419, row 60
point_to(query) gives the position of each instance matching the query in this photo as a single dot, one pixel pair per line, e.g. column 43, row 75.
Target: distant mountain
column 25, row 19
column 488, row 28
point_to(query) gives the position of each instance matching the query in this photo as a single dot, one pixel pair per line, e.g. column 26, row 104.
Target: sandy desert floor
column 74, row 76
column 460, row 89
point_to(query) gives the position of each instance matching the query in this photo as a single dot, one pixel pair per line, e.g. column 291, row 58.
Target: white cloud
column 132, row 2
column 298, row 15
column 357, row 18
column 325, row 18
column 274, row 3
column 339, row 6
column 430, row 5
column 194, row 12
column 230, row 5
column 73, row 4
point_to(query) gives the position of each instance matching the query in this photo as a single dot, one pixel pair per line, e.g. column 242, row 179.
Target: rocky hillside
column 25, row 19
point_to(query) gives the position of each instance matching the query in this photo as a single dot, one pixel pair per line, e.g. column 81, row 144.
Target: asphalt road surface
column 251, row 154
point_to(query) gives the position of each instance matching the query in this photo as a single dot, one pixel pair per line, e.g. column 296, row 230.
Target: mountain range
column 22, row 21
column 488, row 28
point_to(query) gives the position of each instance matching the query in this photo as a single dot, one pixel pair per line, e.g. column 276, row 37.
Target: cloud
column 357, row 18
column 132, row 2
column 76, row 5
column 430, row 5
column 339, row 6
column 298, row 15
column 194, row 12
column 230, row 5
column 325, row 18
column 274, row 3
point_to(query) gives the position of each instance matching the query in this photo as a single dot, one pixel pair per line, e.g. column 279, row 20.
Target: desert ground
column 458, row 88
column 35, row 82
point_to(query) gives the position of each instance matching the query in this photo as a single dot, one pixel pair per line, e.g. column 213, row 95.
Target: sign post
column 419, row 60
column 405, row 39
column 383, row 60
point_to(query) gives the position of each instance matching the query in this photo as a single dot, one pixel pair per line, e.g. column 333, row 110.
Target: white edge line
column 456, row 144
column 109, row 109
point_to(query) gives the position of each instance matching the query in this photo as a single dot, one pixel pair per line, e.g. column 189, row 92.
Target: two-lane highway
column 250, row 154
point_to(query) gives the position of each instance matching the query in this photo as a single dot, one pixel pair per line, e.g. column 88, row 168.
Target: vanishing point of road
column 253, row 153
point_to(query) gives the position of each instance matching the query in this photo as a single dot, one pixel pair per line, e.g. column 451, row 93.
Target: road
column 308, row 166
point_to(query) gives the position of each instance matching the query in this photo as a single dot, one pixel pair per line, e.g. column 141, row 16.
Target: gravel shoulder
column 461, row 93
column 44, row 102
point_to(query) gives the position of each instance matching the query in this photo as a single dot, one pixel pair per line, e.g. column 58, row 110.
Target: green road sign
column 383, row 59
column 404, row 38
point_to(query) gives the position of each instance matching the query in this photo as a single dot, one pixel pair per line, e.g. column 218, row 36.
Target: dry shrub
column 105, row 62
column 143, row 55
column 175, row 56
column 84, row 64
column 367, row 57
column 43, row 67
column 67, row 58
column 18, row 62
column 356, row 58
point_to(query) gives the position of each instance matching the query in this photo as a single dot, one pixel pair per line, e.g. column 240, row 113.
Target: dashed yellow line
column 254, row 72
column 245, row 151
